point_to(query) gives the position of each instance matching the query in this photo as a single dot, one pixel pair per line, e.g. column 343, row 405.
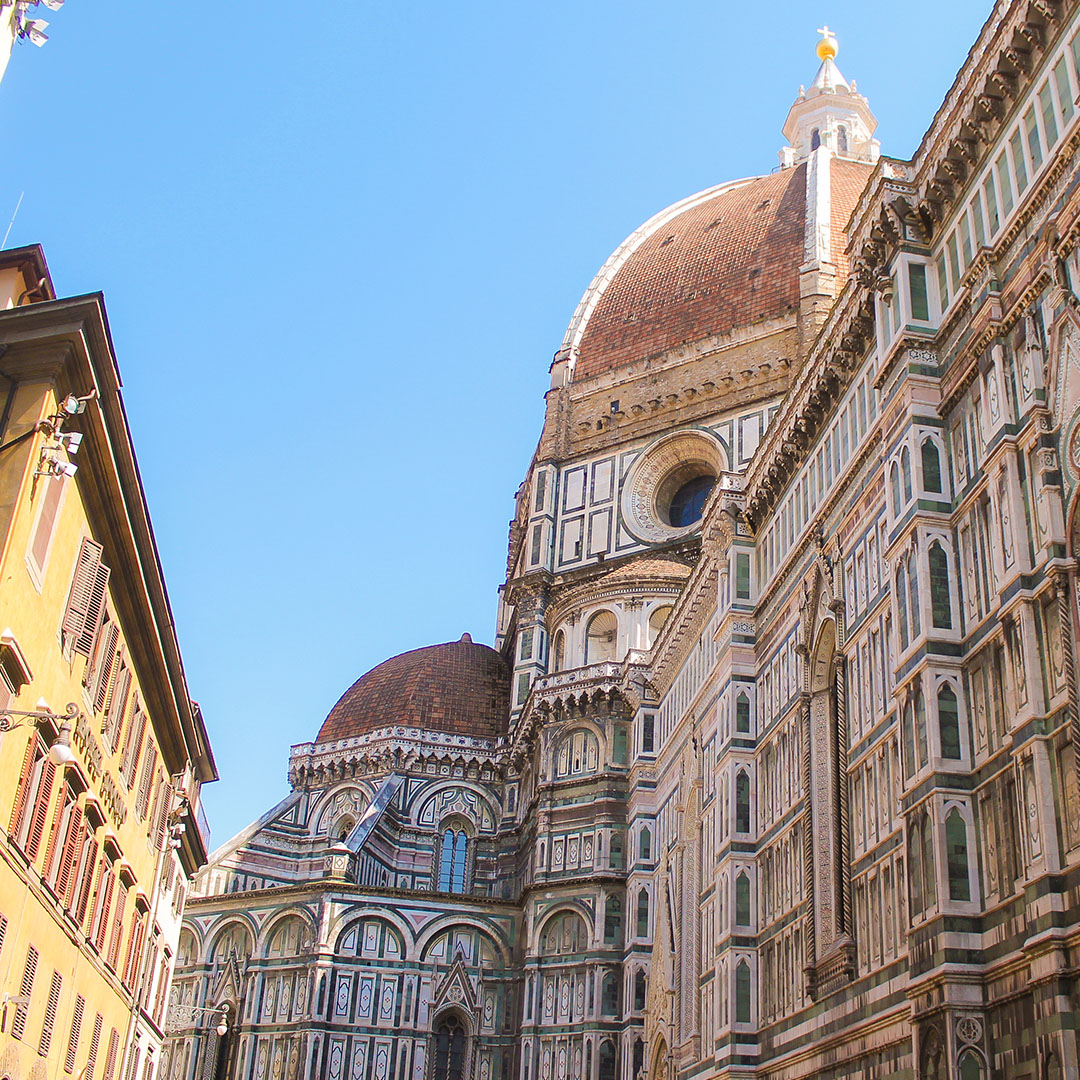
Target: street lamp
column 60, row 753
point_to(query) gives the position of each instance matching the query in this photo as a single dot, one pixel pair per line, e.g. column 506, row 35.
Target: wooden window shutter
column 133, row 1063
column 146, row 777
column 106, row 666
column 131, row 964
column 50, row 864
column 26, row 988
column 76, row 1031
column 87, row 873
column 41, row 810
column 166, row 790
column 117, row 707
column 3, row 931
column 110, row 1056
column 134, row 744
column 102, row 928
column 117, row 938
column 51, row 1008
column 95, row 1044
column 86, row 602
column 148, row 1067
column 23, row 791
column 69, row 853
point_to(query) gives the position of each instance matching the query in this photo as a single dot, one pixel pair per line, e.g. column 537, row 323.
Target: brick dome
column 460, row 688
column 724, row 258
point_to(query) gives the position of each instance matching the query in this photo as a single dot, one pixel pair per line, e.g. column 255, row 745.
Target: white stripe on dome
column 587, row 305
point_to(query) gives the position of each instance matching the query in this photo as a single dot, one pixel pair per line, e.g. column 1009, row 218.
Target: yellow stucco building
column 102, row 751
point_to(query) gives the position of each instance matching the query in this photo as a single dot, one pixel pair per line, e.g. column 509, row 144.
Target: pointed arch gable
column 274, row 922
column 347, row 798
column 355, row 917
column 426, row 938
column 216, row 932
column 433, row 803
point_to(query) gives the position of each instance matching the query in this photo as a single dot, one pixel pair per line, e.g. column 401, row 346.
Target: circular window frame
column 659, row 471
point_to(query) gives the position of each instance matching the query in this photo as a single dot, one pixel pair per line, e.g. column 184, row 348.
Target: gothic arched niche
column 830, row 950
column 821, row 667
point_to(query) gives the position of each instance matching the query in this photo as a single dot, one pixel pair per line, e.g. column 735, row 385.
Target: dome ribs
column 459, row 688
column 731, row 260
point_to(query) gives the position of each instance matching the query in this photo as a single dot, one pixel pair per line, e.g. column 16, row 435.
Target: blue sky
column 339, row 247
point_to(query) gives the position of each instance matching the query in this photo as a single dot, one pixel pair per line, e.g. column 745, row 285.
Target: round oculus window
column 668, row 485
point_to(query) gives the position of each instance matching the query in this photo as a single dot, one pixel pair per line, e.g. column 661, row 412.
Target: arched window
column 609, row 995
column 940, row 603
column 607, row 1060
column 905, row 472
column 971, row 1067
column 742, row 992
column 742, row 713
column 911, row 765
column 639, row 990
column 929, row 870
column 957, row 856
column 841, row 140
column 558, row 652
column 920, row 729
column 894, row 489
column 742, row 801
column 948, row 723
column 931, row 467
column 656, row 622
column 742, row 899
column 901, row 604
column 612, row 920
column 815, row 139
column 600, row 637
column 453, row 860
column 915, row 867
column 913, row 594
column 449, row 1050
column 615, row 852
column 645, row 845
column 643, row 913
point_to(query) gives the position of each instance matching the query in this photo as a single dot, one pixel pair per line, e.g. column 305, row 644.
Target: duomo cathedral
column 772, row 770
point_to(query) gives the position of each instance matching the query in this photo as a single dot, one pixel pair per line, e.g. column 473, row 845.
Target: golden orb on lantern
column 828, row 46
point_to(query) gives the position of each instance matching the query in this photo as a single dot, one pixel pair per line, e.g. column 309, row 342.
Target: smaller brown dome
column 460, row 688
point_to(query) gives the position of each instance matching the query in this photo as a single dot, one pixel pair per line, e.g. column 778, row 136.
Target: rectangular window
column 1064, row 90
column 522, row 687
column 742, row 576
column 527, row 644
column 991, row 203
column 920, row 305
column 541, row 490
column 44, row 527
column 954, row 259
column 537, row 538
column 1031, row 130
column 648, row 733
column 977, row 222
column 942, row 281
column 1016, row 145
column 965, row 241
column 1049, row 119
column 1004, row 183
column 894, row 308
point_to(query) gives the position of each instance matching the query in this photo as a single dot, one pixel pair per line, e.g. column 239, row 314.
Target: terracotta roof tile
column 730, row 260
column 460, row 687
